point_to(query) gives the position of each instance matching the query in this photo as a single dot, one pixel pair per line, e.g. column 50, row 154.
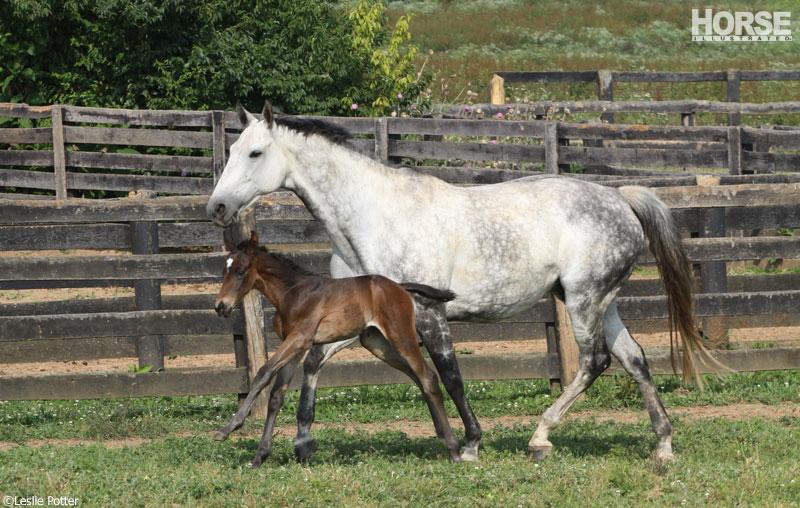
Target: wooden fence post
column 733, row 94
column 551, row 147
column 59, row 157
column 735, row 150
column 218, row 143
column 382, row 139
column 497, row 91
column 605, row 91
column 254, row 339
column 567, row 347
column 714, row 274
column 144, row 240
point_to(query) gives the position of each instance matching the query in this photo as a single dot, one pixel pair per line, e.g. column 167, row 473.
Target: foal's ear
column 227, row 237
column 267, row 113
column 244, row 116
column 253, row 242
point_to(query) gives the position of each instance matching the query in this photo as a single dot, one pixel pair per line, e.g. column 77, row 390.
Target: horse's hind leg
column 594, row 358
column 434, row 331
column 276, row 397
column 406, row 357
column 305, row 444
column 631, row 356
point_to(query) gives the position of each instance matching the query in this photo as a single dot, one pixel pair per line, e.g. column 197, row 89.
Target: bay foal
column 312, row 309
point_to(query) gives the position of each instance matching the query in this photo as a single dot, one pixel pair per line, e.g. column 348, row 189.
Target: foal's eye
column 241, row 272
column 255, row 154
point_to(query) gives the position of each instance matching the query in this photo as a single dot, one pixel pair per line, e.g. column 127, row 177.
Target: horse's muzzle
column 222, row 310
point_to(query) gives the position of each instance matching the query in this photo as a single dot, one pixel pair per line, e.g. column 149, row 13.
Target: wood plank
column 29, row 179
column 144, row 137
column 668, row 77
column 19, row 110
column 789, row 75
column 714, row 304
column 742, row 248
column 730, row 195
column 473, row 127
column 643, row 132
column 127, row 183
column 171, row 383
column 769, row 161
column 141, row 162
column 115, row 324
column 679, row 106
column 745, row 360
column 643, row 157
column 26, row 135
column 548, row 76
column 94, row 305
column 773, row 138
column 278, row 205
column 162, row 118
column 26, row 157
column 468, row 151
column 764, row 217
column 145, row 266
column 551, row 153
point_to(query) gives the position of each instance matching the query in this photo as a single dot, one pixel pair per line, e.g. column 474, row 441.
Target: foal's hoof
column 256, row 463
column 220, row 436
column 305, row 450
column 539, row 453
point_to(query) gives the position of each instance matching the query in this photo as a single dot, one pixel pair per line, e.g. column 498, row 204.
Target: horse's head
column 255, row 167
column 239, row 274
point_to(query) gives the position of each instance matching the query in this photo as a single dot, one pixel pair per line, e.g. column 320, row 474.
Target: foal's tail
column 676, row 272
column 431, row 296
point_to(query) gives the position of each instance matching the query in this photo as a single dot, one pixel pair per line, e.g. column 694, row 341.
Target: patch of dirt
column 418, row 429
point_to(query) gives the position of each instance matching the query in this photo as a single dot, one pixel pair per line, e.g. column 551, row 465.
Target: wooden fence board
column 26, row 135
column 730, row 195
column 32, row 179
column 114, row 324
column 469, row 151
column 170, row 383
column 458, row 127
column 141, row 162
column 162, row 118
column 148, row 137
column 127, row 183
column 14, row 110
column 26, row 158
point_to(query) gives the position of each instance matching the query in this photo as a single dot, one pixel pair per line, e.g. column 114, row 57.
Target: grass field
column 465, row 42
column 167, row 457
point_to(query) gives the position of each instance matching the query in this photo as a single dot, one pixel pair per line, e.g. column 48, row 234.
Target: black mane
column 308, row 126
column 286, row 260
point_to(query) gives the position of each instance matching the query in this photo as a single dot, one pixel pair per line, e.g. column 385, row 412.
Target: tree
column 307, row 56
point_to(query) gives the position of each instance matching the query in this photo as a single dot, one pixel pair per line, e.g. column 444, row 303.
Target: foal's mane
column 308, row 126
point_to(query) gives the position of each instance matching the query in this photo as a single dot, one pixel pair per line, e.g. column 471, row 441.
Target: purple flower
column 494, row 141
column 399, row 96
column 499, row 115
column 183, row 173
column 354, row 106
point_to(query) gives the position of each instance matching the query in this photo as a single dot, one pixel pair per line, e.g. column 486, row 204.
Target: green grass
column 597, row 463
column 465, row 42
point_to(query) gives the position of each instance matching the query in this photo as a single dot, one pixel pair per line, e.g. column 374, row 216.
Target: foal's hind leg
column 434, row 332
column 593, row 359
column 276, row 397
column 305, row 444
column 406, row 357
column 631, row 356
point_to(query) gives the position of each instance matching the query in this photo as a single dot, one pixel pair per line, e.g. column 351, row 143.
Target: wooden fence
column 164, row 235
column 605, row 80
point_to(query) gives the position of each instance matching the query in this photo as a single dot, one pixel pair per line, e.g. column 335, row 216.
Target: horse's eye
column 241, row 272
column 255, row 154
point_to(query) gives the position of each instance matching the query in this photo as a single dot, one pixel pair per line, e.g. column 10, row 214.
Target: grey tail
column 429, row 293
column 676, row 272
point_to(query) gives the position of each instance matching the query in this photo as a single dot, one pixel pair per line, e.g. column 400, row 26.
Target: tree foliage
column 307, row 56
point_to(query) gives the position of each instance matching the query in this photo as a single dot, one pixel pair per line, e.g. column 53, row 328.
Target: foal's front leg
column 292, row 348
column 276, row 396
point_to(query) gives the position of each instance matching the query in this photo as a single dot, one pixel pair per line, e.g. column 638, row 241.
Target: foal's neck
column 275, row 277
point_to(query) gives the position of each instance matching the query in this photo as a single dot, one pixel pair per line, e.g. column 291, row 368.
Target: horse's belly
column 493, row 300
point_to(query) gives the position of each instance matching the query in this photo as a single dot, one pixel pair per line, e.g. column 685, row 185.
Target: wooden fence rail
column 108, row 327
column 72, row 156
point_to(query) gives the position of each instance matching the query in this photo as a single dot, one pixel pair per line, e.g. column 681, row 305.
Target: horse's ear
column 253, row 241
column 228, row 239
column 244, row 116
column 267, row 113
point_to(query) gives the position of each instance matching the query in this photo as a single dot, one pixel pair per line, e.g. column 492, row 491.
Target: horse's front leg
column 305, row 444
column 434, row 332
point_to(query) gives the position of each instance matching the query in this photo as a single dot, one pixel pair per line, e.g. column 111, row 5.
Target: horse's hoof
column 469, row 456
column 539, row 453
column 663, row 460
column 305, row 450
column 256, row 463
column 220, row 436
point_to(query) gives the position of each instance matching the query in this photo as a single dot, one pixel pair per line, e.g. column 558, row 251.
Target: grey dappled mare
column 498, row 247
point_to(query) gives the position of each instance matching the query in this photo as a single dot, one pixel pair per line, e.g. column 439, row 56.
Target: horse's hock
column 183, row 241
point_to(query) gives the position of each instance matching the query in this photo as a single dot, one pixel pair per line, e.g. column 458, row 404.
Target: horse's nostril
column 219, row 210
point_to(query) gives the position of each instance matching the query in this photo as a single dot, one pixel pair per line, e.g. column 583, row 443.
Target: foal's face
column 239, row 277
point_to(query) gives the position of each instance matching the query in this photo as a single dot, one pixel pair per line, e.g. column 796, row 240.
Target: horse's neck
column 276, row 278
column 340, row 186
